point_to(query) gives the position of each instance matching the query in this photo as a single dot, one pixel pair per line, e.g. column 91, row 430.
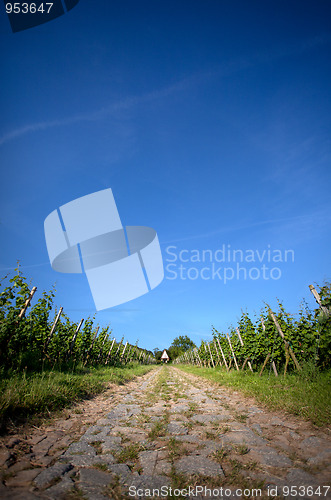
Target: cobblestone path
column 173, row 430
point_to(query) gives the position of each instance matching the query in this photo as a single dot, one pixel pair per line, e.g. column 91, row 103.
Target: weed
column 224, row 429
column 75, row 494
column 211, row 435
column 178, row 480
column 143, row 418
column 193, row 407
column 114, row 490
column 175, row 448
column 128, row 453
column 219, row 455
column 241, row 449
column 97, row 446
column 157, row 430
column 101, row 466
column 241, row 417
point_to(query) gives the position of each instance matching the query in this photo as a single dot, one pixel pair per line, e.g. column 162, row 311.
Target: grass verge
column 23, row 396
column 301, row 394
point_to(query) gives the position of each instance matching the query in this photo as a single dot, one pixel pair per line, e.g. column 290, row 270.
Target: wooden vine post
column 234, row 357
column 318, row 300
column 119, row 347
column 211, row 357
column 287, row 345
column 108, row 355
column 218, row 356
column 27, row 302
column 128, row 353
column 134, row 350
column 194, row 361
column 74, row 338
column 52, row 330
column 219, row 345
column 198, row 357
column 123, row 351
column 22, row 312
column 205, row 362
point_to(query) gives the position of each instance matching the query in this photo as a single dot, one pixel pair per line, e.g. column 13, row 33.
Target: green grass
column 25, row 396
column 130, row 452
column 304, row 394
column 158, row 429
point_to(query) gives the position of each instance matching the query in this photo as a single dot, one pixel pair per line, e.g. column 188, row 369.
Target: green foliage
column 308, row 334
column 28, row 343
column 180, row 345
column 36, row 394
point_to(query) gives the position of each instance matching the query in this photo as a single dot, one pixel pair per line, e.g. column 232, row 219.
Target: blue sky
column 209, row 120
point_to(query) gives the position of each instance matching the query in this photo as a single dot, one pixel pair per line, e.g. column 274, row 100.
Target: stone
column 22, row 478
column 122, row 471
column 149, row 483
column 20, row 465
column 95, row 477
column 36, row 439
column 177, row 429
column 52, row 473
column 43, row 447
column 80, row 448
column 276, row 421
column 189, row 438
column 13, row 442
column 294, row 435
column 269, row 456
column 257, row 428
column 298, row 477
column 252, row 410
column 163, row 467
column 199, row 465
column 90, row 493
column 179, row 408
column 96, row 430
column 148, row 460
column 42, row 461
column 59, row 490
column 311, row 442
column 17, row 494
column 4, row 457
column 238, row 437
column 323, row 456
column 88, row 460
column 103, row 421
column 111, row 443
column 206, row 419
column 129, row 397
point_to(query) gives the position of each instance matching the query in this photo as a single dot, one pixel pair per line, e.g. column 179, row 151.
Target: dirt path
column 168, row 430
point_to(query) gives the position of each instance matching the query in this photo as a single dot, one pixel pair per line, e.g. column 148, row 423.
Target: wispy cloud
column 98, row 114
column 227, row 69
column 320, row 217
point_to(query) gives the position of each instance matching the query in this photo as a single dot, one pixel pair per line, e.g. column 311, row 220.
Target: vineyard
column 34, row 338
column 277, row 341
